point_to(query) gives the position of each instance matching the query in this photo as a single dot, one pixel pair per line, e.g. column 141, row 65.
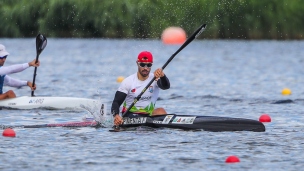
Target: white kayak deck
column 45, row 102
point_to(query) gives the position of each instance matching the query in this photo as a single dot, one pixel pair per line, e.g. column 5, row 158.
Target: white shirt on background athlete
column 9, row 81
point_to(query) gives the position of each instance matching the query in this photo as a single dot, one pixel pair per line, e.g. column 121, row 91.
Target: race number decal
column 183, row 120
column 36, row 101
column 130, row 121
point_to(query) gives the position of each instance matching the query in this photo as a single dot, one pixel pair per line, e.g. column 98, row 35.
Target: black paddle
column 40, row 45
column 189, row 40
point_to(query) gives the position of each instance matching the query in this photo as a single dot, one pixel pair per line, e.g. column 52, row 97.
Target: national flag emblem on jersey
column 150, row 89
column 133, row 90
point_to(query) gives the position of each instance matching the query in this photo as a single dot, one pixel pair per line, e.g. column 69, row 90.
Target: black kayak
column 192, row 122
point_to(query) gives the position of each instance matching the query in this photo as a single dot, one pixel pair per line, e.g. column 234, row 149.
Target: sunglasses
column 145, row 64
column 4, row 57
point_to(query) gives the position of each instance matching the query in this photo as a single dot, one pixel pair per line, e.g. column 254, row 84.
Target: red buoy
column 232, row 159
column 265, row 118
column 8, row 132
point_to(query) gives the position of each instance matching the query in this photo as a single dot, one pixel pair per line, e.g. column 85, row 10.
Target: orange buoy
column 286, row 92
column 174, row 35
column 120, row 79
column 8, row 132
column 232, row 159
column 265, row 118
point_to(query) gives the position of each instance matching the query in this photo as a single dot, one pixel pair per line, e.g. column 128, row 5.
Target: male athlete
column 133, row 85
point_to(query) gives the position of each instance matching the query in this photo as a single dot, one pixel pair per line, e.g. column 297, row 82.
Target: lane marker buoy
column 232, row 159
column 120, row 79
column 8, row 132
column 265, row 118
column 286, row 92
column 174, row 35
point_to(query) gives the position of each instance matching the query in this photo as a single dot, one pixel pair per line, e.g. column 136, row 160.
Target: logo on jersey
column 133, row 90
column 145, row 98
column 150, row 89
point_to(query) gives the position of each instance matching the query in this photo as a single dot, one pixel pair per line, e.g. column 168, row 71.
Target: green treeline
column 225, row 19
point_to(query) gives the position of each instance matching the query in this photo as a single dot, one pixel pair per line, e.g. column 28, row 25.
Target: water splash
column 98, row 113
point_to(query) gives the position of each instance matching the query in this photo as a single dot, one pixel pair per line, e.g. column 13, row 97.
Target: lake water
column 209, row 77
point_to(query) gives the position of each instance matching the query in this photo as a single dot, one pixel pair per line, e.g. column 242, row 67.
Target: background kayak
column 53, row 103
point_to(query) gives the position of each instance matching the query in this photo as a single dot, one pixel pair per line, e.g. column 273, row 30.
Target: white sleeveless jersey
column 132, row 86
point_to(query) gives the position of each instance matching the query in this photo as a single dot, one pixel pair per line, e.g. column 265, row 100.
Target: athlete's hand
column 117, row 120
column 158, row 73
column 34, row 64
column 30, row 84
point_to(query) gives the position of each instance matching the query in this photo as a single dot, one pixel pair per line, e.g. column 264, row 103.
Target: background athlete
column 9, row 81
column 133, row 85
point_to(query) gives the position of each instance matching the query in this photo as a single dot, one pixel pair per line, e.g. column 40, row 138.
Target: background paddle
column 189, row 40
column 40, row 45
column 65, row 124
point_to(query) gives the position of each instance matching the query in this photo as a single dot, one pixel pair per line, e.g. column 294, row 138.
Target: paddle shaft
column 34, row 78
column 189, row 40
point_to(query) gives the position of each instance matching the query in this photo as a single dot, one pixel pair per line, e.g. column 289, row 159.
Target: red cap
column 145, row 56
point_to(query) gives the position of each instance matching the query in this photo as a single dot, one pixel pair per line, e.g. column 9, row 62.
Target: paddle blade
column 41, row 43
column 202, row 28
